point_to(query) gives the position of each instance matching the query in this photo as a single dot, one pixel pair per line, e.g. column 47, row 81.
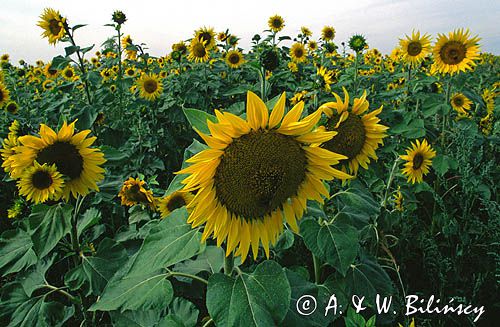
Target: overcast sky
column 161, row 23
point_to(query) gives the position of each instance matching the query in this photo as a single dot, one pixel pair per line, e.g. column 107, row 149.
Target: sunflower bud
column 119, row 17
column 269, row 59
column 357, row 42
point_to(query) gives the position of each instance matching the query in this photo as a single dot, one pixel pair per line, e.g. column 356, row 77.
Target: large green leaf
column 258, row 299
column 88, row 219
column 198, row 119
column 12, row 295
column 301, row 288
column 34, row 278
column 143, row 292
column 48, row 224
column 335, row 243
column 16, row 251
column 181, row 313
column 135, row 318
column 171, row 241
column 102, row 266
column 211, row 260
column 36, row 312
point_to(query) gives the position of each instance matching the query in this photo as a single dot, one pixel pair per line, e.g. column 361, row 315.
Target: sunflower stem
column 356, row 73
column 62, row 292
column 180, row 274
column 228, row 264
column 208, row 323
column 120, row 68
column 74, row 229
column 262, row 75
column 317, row 269
column 80, row 60
column 389, row 182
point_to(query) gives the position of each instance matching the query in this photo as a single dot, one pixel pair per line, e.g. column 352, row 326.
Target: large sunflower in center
column 258, row 173
column 69, row 152
column 359, row 133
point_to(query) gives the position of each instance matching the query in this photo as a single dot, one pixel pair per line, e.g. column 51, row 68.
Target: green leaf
column 34, row 278
column 112, row 155
column 102, row 266
column 335, row 243
column 198, row 119
column 442, row 163
column 211, row 260
column 37, row 312
column 48, row 224
column 12, row 296
column 71, row 49
column 60, row 62
column 301, row 287
column 140, row 292
column 135, row 318
column 88, row 219
column 258, row 299
column 16, row 251
column 74, row 28
column 369, row 279
column 181, row 313
column 171, row 241
column 358, row 199
column 86, row 117
column 138, row 214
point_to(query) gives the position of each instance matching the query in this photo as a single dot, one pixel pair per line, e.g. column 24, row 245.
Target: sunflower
column 276, row 23
column 12, row 107
column 312, row 45
column 234, row 58
column 306, row 32
column 68, row 73
column 150, row 86
column 198, row 52
column 126, row 42
column 8, row 150
column 174, row 201
column 71, row 153
column 418, row 160
column 327, row 77
column 50, row 72
column 5, row 57
column 460, row 103
column 180, row 47
column 327, row 33
column 256, row 173
column 53, row 25
column 130, row 72
column 293, row 67
column 206, row 36
column 40, row 183
column 455, row 52
column 359, row 134
column 134, row 192
column 398, row 200
column 48, row 84
column 4, row 95
column 298, row 52
column 415, row 48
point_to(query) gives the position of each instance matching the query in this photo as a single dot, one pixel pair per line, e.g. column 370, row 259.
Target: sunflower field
column 293, row 183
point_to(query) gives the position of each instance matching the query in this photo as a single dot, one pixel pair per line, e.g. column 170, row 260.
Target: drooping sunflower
column 134, row 192
column 298, row 52
column 4, row 95
column 52, row 24
column 69, row 151
column 327, row 33
column 68, row 73
column 455, row 52
column 207, row 36
column 276, row 23
column 234, row 58
column 257, row 173
column 174, row 201
column 180, row 47
column 418, row 160
column 415, row 48
column 359, row 133
column 150, row 86
column 40, row 183
column 306, row 32
column 198, row 52
column 460, row 103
